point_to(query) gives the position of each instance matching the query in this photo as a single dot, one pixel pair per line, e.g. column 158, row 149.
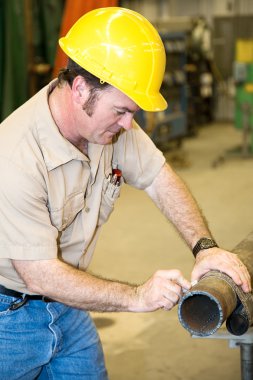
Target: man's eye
column 118, row 112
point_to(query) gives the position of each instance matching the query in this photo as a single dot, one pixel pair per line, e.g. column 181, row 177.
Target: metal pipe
column 216, row 299
column 207, row 305
column 246, row 361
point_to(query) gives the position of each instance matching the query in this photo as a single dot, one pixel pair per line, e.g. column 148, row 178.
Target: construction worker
column 65, row 155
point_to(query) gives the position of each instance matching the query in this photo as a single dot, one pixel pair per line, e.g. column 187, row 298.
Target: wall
column 155, row 9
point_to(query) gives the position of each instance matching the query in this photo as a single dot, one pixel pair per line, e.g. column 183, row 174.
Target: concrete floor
column 138, row 240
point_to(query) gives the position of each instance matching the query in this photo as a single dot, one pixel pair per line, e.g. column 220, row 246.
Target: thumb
column 197, row 273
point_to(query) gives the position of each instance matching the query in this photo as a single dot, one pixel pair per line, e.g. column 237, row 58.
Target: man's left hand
column 224, row 261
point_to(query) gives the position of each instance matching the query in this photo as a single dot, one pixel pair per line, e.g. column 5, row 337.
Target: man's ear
column 80, row 90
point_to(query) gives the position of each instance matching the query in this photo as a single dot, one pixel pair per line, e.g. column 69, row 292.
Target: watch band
column 203, row 243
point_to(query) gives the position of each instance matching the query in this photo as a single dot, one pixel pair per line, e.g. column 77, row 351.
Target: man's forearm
column 173, row 198
column 74, row 287
column 63, row 283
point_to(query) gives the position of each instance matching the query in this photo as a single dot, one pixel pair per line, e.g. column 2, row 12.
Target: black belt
column 22, row 298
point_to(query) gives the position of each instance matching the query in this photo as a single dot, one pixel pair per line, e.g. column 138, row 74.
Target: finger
column 173, row 287
column 168, row 306
column 172, row 297
column 243, row 267
column 171, row 293
column 241, row 275
column 176, row 276
column 170, row 300
column 239, row 278
column 242, row 272
column 238, row 272
column 244, row 276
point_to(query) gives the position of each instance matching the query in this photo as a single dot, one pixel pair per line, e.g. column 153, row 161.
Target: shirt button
column 87, row 209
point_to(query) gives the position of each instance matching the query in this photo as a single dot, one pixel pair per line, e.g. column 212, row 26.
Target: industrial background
column 207, row 136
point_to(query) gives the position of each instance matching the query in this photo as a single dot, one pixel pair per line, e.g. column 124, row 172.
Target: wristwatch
column 203, row 243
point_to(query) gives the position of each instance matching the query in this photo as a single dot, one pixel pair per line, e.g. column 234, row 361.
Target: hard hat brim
column 150, row 103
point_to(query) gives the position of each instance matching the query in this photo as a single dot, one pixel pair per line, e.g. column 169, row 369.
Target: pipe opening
column 200, row 314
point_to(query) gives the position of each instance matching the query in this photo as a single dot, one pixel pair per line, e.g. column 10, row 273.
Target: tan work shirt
column 54, row 199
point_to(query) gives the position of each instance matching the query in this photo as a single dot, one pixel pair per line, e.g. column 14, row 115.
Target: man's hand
column 224, row 261
column 161, row 291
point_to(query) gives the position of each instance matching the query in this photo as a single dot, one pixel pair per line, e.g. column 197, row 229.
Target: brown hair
column 73, row 69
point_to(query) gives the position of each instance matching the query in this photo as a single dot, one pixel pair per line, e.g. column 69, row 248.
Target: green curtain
column 47, row 16
column 23, row 46
column 14, row 76
column 1, row 49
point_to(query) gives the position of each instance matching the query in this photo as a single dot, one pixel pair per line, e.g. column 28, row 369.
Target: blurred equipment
column 169, row 127
column 240, row 88
column 200, row 75
column 188, row 84
column 243, row 76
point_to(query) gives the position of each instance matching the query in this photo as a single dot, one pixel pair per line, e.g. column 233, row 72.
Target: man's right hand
column 162, row 291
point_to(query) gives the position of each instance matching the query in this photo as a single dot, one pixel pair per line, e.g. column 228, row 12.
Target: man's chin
column 108, row 139
column 105, row 141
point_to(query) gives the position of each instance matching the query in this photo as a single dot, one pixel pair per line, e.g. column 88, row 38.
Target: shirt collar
column 56, row 149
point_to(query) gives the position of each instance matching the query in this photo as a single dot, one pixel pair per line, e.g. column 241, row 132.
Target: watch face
column 206, row 243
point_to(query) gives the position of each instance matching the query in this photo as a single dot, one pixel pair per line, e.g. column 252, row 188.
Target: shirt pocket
column 62, row 217
column 110, row 193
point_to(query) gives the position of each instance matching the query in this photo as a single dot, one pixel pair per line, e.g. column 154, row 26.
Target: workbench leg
column 246, row 361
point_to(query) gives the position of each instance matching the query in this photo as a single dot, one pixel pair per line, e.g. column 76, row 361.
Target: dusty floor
column 138, row 240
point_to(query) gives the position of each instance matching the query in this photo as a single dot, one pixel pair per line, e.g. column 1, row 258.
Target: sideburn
column 89, row 105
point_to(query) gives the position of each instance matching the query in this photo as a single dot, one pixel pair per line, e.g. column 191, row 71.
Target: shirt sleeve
column 26, row 232
column 137, row 157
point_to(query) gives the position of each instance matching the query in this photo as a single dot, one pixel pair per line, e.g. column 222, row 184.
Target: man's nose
column 126, row 121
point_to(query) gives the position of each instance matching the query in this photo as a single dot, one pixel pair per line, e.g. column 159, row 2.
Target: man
column 64, row 156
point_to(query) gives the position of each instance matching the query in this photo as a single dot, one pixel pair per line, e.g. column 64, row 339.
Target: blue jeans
column 48, row 341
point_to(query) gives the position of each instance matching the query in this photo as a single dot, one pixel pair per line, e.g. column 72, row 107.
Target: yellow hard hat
column 122, row 48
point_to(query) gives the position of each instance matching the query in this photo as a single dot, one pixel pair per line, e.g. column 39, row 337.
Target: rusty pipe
column 204, row 308
column 216, row 299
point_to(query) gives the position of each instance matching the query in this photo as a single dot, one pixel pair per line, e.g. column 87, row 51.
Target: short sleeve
column 137, row 156
column 25, row 228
